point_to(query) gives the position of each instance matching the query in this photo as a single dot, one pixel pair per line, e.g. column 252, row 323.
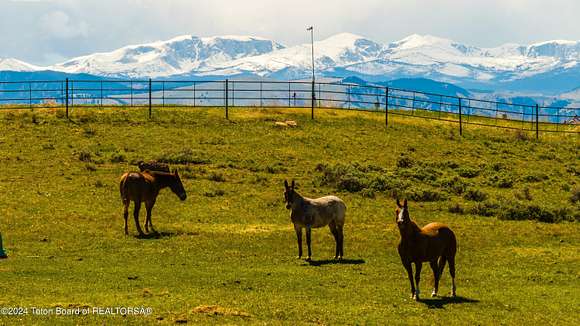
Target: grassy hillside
column 227, row 254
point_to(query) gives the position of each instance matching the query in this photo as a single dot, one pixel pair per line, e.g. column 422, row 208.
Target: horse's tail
column 123, row 187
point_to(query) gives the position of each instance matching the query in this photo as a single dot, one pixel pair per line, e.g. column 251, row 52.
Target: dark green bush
column 424, row 195
column 575, row 197
column 467, row 172
column 535, row 177
column 405, row 162
column 183, row 157
column 456, row 209
column 453, row 185
column 501, row 180
column 475, row 195
column 486, row 208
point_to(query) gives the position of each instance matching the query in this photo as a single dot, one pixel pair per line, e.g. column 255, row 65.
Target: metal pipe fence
column 254, row 93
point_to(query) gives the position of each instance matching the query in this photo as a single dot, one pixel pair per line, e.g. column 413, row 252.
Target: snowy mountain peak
column 175, row 56
column 416, row 41
column 11, row 64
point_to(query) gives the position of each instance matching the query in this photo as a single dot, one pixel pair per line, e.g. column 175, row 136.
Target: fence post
column 30, row 95
column 194, row 103
column 386, row 107
column 101, row 93
column 150, row 98
column 227, row 115
column 537, row 122
column 313, row 100
column 66, row 98
column 261, row 96
column 131, row 85
column 460, row 118
column 289, row 96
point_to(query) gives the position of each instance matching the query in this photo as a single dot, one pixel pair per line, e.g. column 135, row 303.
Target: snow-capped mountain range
column 551, row 66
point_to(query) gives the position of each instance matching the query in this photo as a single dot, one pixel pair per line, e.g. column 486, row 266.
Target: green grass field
column 227, row 255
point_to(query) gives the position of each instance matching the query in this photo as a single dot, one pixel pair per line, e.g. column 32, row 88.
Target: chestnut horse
column 144, row 187
column 315, row 213
column 434, row 243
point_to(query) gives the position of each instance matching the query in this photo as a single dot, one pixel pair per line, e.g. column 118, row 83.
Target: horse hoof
column 299, row 257
column 308, row 258
column 433, row 294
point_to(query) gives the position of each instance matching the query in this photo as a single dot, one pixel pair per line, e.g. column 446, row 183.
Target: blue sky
column 49, row 31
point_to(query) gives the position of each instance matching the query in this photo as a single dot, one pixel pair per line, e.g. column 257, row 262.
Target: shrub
column 118, row 158
column 404, row 162
column 85, row 156
column 343, row 177
column 424, row 195
column 368, row 193
column 475, row 195
column 453, row 185
column 467, row 172
column 217, row 177
column 518, row 211
column 522, row 135
column 575, row 197
column 502, row 181
column 214, row 193
column 456, row 209
column 184, row 157
column 535, row 177
column 486, row 208
column 524, row 194
column 425, row 174
column 91, row 167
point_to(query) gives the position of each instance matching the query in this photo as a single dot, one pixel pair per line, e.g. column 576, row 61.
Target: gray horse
column 315, row 213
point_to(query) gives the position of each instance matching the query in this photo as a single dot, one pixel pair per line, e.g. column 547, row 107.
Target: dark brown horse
column 144, row 187
column 315, row 213
column 434, row 243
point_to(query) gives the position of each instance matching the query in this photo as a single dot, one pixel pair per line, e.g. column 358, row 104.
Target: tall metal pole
column 311, row 29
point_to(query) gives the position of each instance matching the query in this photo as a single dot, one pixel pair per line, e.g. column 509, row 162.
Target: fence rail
column 246, row 93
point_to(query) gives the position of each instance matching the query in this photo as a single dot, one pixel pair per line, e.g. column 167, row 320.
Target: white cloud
column 58, row 24
column 75, row 27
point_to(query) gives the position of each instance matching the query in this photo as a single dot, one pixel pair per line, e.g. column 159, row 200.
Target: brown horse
column 434, row 243
column 144, row 187
column 315, row 213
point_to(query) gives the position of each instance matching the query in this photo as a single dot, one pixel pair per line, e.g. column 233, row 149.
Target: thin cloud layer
column 41, row 31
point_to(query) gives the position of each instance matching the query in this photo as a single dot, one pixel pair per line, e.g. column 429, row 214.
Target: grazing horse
column 314, row 213
column 153, row 166
column 144, row 187
column 434, row 243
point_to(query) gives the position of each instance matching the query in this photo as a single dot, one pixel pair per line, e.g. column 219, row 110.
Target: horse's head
column 177, row 187
column 289, row 194
column 402, row 214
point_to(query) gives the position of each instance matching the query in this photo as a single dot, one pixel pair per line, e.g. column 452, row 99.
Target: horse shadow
column 441, row 302
column 336, row 262
column 163, row 234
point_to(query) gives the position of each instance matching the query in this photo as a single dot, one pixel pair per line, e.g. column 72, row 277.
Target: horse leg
column 409, row 269
column 309, row 241
column 334, row 231
column 126, row 214
column 340, row 240
column 418, row 266
column 436, row 276
column 451, row 260
column 298, row 230
column 136, row 217
column 149, row 207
